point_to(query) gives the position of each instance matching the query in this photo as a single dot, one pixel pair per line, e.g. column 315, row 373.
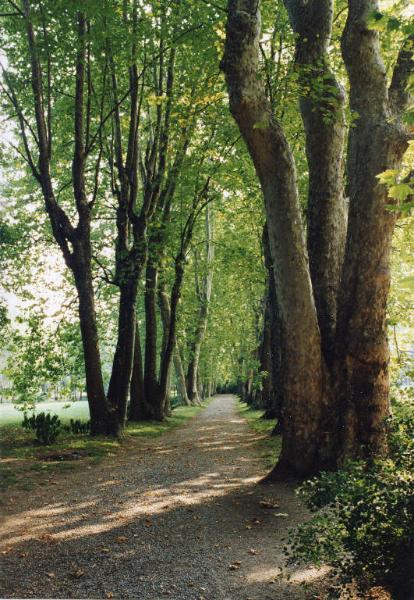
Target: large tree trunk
column 205, row 295
column 101, row 420
column 322, row 109
column 303, row 449
column 377, row 142
column 124, row 352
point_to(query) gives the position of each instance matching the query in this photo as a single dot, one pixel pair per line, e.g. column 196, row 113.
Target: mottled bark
column 377, row 142
column 303, row 449
column 322, row 108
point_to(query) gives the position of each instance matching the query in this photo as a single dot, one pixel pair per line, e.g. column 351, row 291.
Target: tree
column 309, row 410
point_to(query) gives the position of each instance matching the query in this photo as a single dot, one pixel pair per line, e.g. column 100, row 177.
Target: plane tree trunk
column 303, row 448
column 377, row 142
column 322, row 109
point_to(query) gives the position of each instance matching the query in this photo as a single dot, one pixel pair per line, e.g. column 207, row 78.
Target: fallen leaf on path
column 78, row 573
column 50, row 575
column 268, row 504
column 109, row 594
column 253, row 551
column 121, row 539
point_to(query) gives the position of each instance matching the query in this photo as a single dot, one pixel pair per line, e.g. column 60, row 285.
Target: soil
column 180, row 516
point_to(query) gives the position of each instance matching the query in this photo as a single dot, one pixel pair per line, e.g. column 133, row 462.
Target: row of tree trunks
column 304, row 377
column 333, row 343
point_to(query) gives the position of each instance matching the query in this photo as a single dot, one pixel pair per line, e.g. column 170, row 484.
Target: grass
column 25, row 462
column 269, row 446
column 11, row 415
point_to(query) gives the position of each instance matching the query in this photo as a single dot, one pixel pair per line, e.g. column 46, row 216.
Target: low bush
column 363, row 523
column 47, row 427
column 76, row 426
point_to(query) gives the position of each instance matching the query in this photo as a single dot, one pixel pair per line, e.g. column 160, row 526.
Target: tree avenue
column 217, row 187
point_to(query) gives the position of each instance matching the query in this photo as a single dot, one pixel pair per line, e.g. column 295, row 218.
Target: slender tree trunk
column 152, row 394
column 303, row 450
column 195, row 349
column 265, row 367
column 276, row 342
column 322, row 109
column 377, row 141
column 170, row 341
column 139, row 410
column 178, row 366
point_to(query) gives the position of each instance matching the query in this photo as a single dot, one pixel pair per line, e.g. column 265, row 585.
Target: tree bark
column 276, row 342
column 98, row 406
column 303, row 448
column 377, row 141
column 322, row 108
column 151, row 334
column 138, row 410
column 74, row 242
column 178, row 366
column 195, row 348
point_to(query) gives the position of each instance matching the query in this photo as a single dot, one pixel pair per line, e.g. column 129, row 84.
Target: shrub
column 47, row 427
column 77, row 426
column 363, row 519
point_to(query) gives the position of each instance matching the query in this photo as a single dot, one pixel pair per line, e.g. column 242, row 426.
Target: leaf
column 268, row 504
column 78, row 573
column 388, row 177
column 400, row 192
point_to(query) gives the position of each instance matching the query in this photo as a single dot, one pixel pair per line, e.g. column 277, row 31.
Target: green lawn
column 24, row 462
column 269, row 445
column 11, row 415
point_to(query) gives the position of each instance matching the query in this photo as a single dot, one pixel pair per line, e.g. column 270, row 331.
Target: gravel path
column 180, row 517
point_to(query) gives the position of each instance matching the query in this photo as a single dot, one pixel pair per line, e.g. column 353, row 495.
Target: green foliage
column 47, row 427
column 363, row 519
column 76, row 426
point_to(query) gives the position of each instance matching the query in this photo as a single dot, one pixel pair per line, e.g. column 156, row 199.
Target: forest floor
column 179, row 516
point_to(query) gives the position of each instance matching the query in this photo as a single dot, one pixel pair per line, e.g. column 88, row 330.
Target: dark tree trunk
column 178, row 366
column 322, row 109
column 124, row 353
column 265, row 366
column 152, row 391
column 101, row 419
column 276, row 342
column 138, row 409
column 377, row 141
column 303, row 450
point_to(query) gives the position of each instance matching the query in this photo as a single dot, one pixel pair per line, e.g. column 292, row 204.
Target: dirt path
column 180, row 517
